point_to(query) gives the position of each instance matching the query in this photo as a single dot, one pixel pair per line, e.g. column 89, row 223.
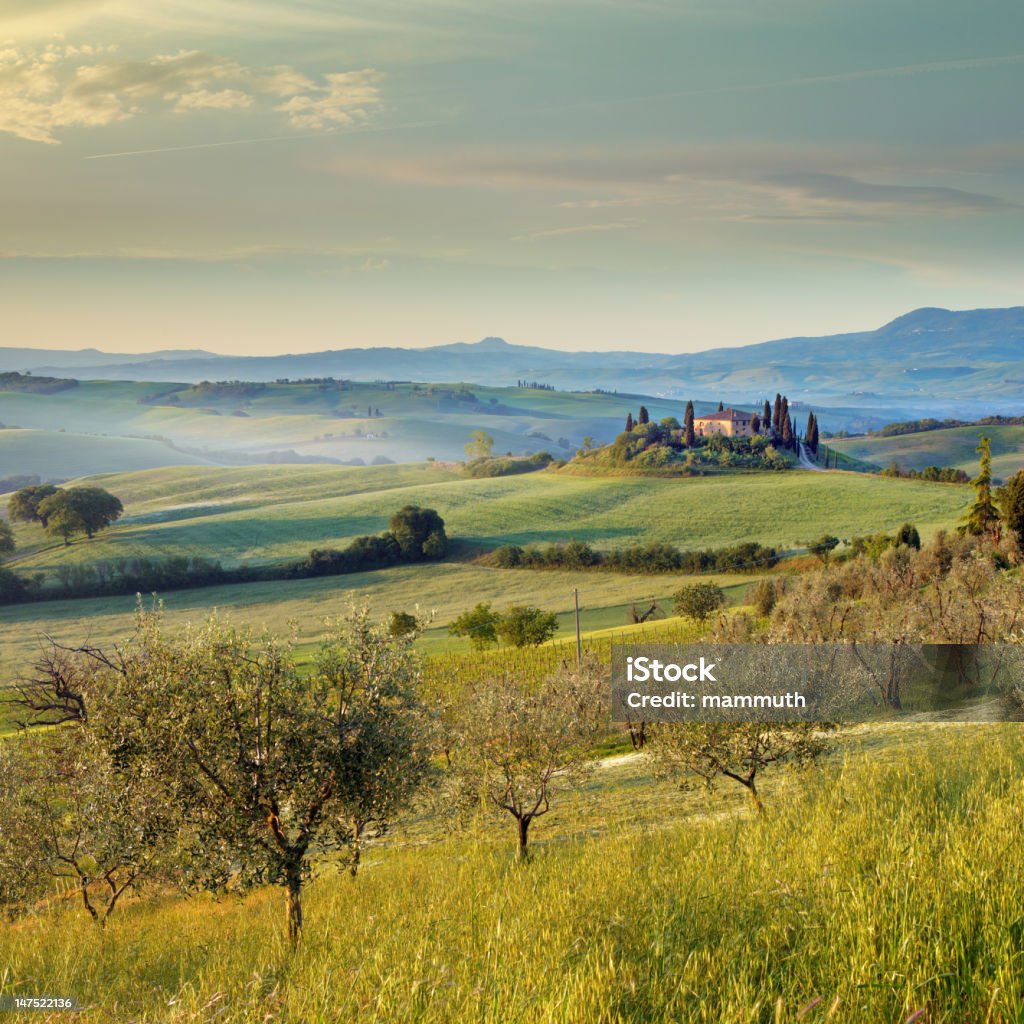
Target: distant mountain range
column 928, row 362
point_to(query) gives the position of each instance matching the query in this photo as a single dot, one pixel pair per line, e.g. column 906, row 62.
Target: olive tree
column 526, row 626
column 263, row 764
column 698, row 601
column 275, row 763
column 519, row 745
column 80, row 818
column 707, row 752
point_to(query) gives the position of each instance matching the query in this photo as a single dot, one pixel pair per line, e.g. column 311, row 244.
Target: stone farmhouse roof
column 726, row 414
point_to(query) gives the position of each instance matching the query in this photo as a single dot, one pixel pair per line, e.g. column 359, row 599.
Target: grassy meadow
column 263, row 514
column 882, row 885
column 271, row 514
column 954, row 446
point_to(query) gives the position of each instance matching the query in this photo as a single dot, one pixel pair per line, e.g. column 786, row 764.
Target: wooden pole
column 579, row 643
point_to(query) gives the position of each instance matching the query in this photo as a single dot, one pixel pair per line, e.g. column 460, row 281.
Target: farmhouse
column 731, row 422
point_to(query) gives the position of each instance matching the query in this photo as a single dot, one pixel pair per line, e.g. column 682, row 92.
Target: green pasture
column 951, row 447
column 272, row 514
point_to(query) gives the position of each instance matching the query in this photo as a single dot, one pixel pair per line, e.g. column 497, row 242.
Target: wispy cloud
column 853, row 75
column 577, row 229
column 841, row 190
column 45, row 90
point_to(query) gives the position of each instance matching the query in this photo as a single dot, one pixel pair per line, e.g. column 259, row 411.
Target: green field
column 441, row 591
column 884, row 885
column 270, row 514
column 300, row 422
column 951, row 447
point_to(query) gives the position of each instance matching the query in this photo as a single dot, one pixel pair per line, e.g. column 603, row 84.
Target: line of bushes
column 640, row 558
column 415, row 535
column 508, row 465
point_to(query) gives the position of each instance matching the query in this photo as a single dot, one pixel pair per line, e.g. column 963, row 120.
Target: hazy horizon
column 283, row 176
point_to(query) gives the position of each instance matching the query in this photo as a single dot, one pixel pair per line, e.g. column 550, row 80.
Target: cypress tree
column 982, row 517
column 766, row 418
column 787, row 433
column 688, row 425
column 814, row 436
column 1012, row 502
column 809, row 433
column 629, row 422
column 643, row 417
column 777, row 414
column 755, row 424
column 721, row 408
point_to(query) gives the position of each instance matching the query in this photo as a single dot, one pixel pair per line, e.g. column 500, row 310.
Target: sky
column 263, row 176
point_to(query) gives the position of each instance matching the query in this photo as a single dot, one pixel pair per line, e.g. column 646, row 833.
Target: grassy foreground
column 888, row 883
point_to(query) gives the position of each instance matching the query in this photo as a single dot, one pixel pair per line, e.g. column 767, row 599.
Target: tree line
column 639, row 558
column 414, row 534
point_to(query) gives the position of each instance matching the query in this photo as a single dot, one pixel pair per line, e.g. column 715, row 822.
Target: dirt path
column 806, row 463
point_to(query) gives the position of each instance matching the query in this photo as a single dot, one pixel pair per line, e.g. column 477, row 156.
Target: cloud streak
column 45, row 91
column 854, row 75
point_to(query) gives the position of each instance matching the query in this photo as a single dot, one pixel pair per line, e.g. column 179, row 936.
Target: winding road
column 806, row 463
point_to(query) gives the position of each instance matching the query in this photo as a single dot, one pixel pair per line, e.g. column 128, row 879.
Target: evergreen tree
column 1011, row 501
column 814, row 437
column 783, row 412
column 809, row 433
column 688, row 426
column 755, row 424
column 777, row 414
column 629, row 421
column 982, row 517
column 721, row 408
column 787, row 433
column 766, row 417
column 643, row 416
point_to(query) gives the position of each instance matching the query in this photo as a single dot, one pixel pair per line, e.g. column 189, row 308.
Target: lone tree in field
column 982, row 519
column 79, row 510
column 689, row 437
column 526, row 626
column 706, row 752
column 479, row 445
column 522, row 744
column 1011, row 502
column 23, row 505
column 478, row 625
column 698, row 601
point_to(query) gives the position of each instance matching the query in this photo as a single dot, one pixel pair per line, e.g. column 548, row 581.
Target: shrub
column 698, row 601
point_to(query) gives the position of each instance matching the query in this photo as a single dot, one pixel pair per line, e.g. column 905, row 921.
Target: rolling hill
column 954, row 446
column 931, row 361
